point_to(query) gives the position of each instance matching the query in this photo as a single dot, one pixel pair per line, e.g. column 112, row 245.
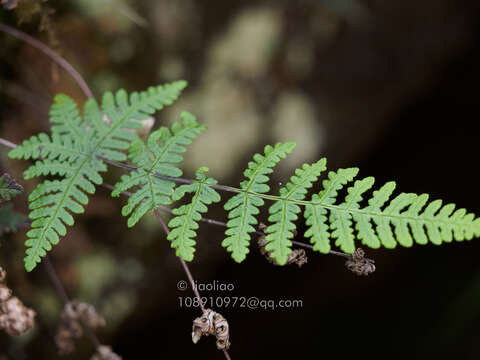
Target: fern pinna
column 184, row 224
column 155, row 160
column 244, row 206
column 75, row 151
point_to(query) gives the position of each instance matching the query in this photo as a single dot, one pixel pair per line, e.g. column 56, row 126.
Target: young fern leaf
column 381, row 222
column 164, row 149
column 184, row 224
column 284, row 212
column 244, row 206
column 75, row 151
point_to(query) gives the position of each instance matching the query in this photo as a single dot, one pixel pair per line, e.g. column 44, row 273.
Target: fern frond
column 284, row 212
column 74, row 152
column 9, row 188
column 244, row 206
column 184, row 224
column 164, row 149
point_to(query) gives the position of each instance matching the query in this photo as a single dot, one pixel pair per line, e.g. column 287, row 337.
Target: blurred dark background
column 390, row 87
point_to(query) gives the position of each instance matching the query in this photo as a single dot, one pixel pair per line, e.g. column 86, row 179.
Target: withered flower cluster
column 15, row 318
column 297, row 256
column 211, row 323
column 75, row 314
column 359, row 264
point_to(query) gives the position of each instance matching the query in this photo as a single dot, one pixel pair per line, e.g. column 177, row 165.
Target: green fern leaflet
column 244, row 206
column 75, row 151
column 284, row 212
column 184, row 224
column 155, row 159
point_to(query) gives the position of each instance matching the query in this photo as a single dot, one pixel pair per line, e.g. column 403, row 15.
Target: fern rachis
column 79, row 148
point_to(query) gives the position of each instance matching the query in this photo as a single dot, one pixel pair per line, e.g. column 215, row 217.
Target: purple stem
column 51, row 54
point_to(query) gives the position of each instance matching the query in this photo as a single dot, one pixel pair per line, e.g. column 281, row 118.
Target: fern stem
column 276, row 198
column 62, row 293
column 133, row 168
column 184, row 264
column 223, row 224
column 53, row 276
column 7, row 143
column 218, row 187
column 51, row 54
column 55, row 280
column 263, row 196
column 187, row 272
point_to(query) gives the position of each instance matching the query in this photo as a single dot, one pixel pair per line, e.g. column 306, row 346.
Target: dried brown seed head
column 64, row 339
column 211, row 323
column 297, row 256
column 74, row 315
column 16, row 318
column 359, row 264
column 5, row 293
column 84, row 312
